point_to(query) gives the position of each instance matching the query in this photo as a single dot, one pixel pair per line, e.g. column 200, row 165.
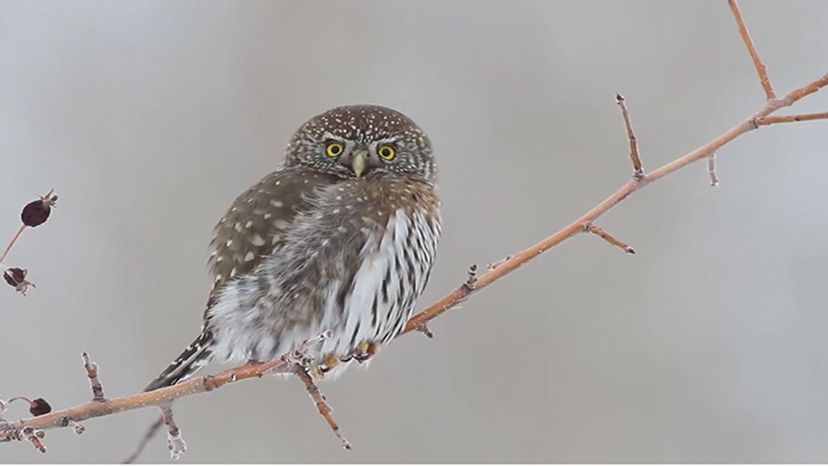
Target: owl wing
column 251, row 229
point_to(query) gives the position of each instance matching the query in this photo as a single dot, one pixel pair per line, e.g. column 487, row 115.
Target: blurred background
column 148, row 118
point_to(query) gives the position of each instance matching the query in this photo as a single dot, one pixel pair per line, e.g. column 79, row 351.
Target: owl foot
column 327, row 365
column 363, row 351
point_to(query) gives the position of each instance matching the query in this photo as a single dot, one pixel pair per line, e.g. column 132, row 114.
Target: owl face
column 363, row 141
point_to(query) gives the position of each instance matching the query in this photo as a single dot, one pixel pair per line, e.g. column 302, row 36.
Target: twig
column 761, row 69
column 321, row 403
column 11, row 243
column 596, row 230
column 175, row 442
column 638, row 169
column 148, row 435
column 92, row 375
column 711, row 169
column 770, row 120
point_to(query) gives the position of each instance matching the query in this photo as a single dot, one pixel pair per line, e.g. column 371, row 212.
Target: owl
column 340, row 239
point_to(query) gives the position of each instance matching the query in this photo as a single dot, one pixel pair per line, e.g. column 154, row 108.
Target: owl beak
column 359, row 161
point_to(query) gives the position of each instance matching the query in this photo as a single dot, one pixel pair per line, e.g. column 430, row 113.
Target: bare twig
column 598, row 231
column 321, row 404
column 638, row 169
column 770, row 120
column 92, row 375
column 175, row 442
column 761, row 69
column 11, row 243
column 711, row 169
column 148, row 435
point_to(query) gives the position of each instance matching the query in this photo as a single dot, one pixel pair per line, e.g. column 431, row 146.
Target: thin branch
column 11, row 243
column 638, row 169
column 148, row 435
column 598, row 231
column 770, row 120
column 321, row 404
column 175, row 443
column 761, row 69
column 92, row 374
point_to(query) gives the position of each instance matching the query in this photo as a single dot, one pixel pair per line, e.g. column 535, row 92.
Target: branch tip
column 761, row 69
column 598, row 231
column 175, row 443
column 321, row 404
column 638, row 170
column 92, row 375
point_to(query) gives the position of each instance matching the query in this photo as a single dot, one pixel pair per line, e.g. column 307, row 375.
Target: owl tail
column 193, row 358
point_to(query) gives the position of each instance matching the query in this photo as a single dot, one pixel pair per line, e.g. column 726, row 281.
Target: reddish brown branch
column 761, row 69
column 638, row 169
column 321, row 404
column 598, row 231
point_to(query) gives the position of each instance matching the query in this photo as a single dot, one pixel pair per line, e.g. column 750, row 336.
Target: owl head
column 363, row 141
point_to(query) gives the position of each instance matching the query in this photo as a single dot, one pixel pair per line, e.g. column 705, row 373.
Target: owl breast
column 354, row 267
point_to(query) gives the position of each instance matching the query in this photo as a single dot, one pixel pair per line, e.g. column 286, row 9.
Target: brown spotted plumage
column 341, row 238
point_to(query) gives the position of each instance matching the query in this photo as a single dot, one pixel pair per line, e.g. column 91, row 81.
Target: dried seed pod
column 16, row 277
column 37, row 212
column 39, row 407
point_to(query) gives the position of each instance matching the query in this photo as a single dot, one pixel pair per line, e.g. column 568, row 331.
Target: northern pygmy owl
column 342, row 238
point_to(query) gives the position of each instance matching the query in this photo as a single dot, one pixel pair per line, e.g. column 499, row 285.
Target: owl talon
column 364, row 351
column 327, row 365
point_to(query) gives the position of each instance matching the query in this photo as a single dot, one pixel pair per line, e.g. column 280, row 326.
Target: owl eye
column 387, row 152
column 334, row 149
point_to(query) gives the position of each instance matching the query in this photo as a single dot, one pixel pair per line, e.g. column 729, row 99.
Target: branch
column 761, row 69
column 638, row 170
column 598, row 231
column 27, row 429
column 771, row 120
column 92, row 374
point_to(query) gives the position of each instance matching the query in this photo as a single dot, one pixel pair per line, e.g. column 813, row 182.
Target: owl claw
column 363, row 352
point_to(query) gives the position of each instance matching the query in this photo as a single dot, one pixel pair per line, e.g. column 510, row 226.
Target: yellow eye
column 387, row 152
column 334, row 149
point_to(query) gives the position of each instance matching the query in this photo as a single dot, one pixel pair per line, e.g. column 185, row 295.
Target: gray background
column 148, row 118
